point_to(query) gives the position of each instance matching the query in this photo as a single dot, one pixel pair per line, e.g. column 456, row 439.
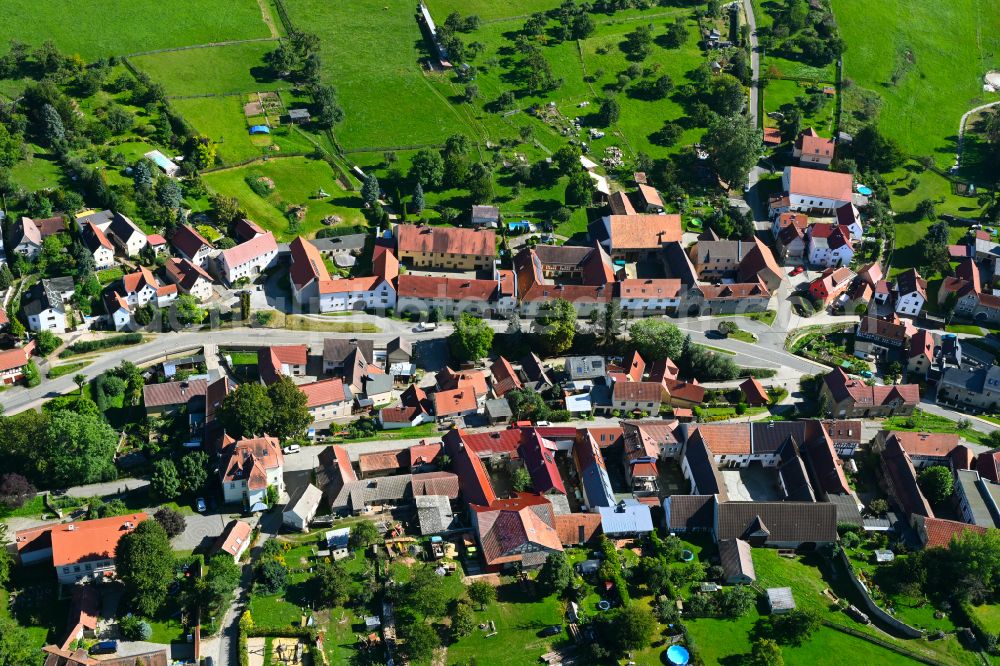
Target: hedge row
column 989, row 637
column 87, row 346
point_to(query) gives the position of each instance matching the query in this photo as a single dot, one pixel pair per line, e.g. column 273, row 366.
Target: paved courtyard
column 755, row 483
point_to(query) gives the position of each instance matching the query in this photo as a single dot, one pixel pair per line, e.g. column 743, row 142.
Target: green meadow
column 236, row 68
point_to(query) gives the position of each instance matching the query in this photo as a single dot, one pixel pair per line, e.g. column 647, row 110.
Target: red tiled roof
column 538, row 455
column 921, row 344
column 380, row 461
column 156, row 239
column 813, row 144
column 734, row 291
column 424, row 454
column 508, row 526
column 940, row 532
column 324, row 392
column 173, row 393
column 649, row 288
column 574, row 528
column 725, row 438
column 643, row 232
column 686, row 391
column 455, row 289
column 754, row 392
column 505, row 378
column 306, row 263
column 184, row 273
column 637, row 391
column 94, row 238
column 772, row 136
column 446, row 240
column 449, row 379
column 649, row 196
column 820, row 184
column 385, row 265
column 472, row 477
column 16, row 358
column 90, row 539
column 933, row 445
column 455, row 401
column 234, row 537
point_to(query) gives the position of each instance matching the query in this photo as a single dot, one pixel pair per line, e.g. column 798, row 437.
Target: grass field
column 96, row 28
column 924, row 422
column 221, row 119
column 219, row 69
column 296, row 181
column 942, row 51
column 371, row 52
column 780, row 92
column 488, row 10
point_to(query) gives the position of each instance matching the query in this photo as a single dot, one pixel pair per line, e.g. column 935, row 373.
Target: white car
column 291, row 448
column 424, row 327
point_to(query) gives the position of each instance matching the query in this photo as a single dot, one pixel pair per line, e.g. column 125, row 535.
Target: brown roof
column 436, row 483
column 938, row 533
column 306, row 263
column 687, row 391
column 94, row 238
column 184, row 273
column 510, row 528
column 902, row 476
column 726, row 438
column 691, row 512
column 921, row 344
column 455, row 289
column 649, row 196
column 572, row 526
column 798, row 220
column 380, row 461
column 754, row 392
column 446, row 240
column 173, row 393
column 843, row 388
column 811, row 143
column 649, row 288
column 736, row 559
column 783, row 521
column 925, row 444
column 472, row 476
column 643, row 232
column 988, row 465
column 734, row 291
column 449, row 379
column 758, row 259
column 619, row 204
column 637, row 391
column 820, row 184
column 505, row 378
column 772, row 136
column 324, row 392
column 188, row 241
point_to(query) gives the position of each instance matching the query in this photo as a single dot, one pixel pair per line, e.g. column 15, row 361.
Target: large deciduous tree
column 472, row 338
column 734, row 146
column 145, row 563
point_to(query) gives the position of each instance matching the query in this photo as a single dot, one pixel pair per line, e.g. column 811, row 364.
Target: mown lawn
column 371, row 51
column 939, row 52
column 922, row 421
column 234, row 68
column 780, row 92
column 96, row 28
column 518, row 617
column 296, row 182
column 488, row 10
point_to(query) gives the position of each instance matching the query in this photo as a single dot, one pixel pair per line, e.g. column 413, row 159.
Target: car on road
column 200, row 504
column 553, row 630
column 291, row 448
column 424, row 326
column 797, row 270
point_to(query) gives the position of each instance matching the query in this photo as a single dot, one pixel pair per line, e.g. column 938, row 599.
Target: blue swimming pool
column 865, row 190
column 678, row 654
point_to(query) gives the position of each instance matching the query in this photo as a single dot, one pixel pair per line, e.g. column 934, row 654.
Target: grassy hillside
column 937, row 53
column 96, row 28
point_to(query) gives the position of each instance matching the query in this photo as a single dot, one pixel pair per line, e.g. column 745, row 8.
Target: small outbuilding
column 780, row 600
column 754, row 392
column 302, row 507
column 737, row 561
column 299, row 116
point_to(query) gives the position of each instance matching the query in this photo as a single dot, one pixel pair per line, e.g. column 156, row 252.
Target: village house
column 446, row 247
column 978, row 499
column 919, row 353
column 450, row 296
column 830, row 245
column 831, row 284
column 14, row 363
column 515, row 533
column 234, row 540
column 248, row 259
column 157, row 243
column 636, row 237
column 852, row 398
column 302, row 507
column 708, row 299
column 581, row 275
column 974, row 390
column 168, row 398
column 189, row 278
column 899, row 478
column 124, row 233
column 313, row 287
column 277, row 361
column 641, row 297
column 80, row 550
column 925, row 449
column 849, row 216
column 99, row 246
column 649, row 199
column 339, row 354
column 328, row 399
column 27, row 235
column 812, row 150
column 413, row 408
column 742, row 261
column 248, row 467
column 815, row 190
column 885, row 339
column 192, row 246
column 142, row 287
column 45, row 305
column 485, row 217
column 910, row 293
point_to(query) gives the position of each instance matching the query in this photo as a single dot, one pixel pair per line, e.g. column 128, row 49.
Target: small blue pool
column 687, row 555
column 678, row 654
column 865, row 190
